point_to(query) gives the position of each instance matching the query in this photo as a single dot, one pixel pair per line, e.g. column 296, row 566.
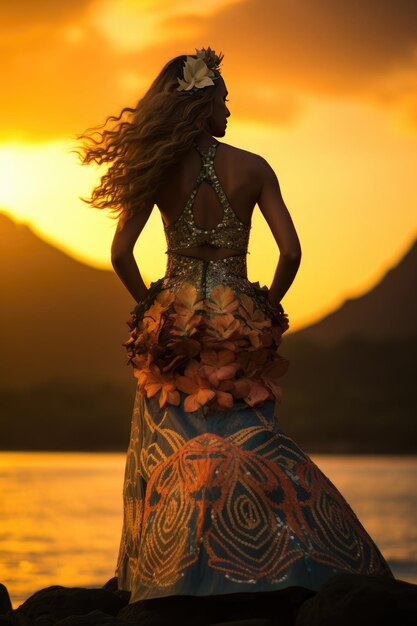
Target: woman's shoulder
column 252, row 160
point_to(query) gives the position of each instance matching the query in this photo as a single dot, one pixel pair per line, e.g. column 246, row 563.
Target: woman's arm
column 123, row 261
column 273, row 208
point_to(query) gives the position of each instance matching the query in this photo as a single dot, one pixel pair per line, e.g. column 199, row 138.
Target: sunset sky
column 326, row 91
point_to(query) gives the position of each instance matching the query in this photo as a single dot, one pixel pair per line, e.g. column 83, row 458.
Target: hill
column 350, row 386
column 387, row 311
column 61, row 319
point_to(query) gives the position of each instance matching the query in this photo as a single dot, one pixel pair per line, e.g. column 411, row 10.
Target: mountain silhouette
column 61, row 319
column 387, row 311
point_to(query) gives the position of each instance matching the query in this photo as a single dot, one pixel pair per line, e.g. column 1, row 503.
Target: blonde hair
column 145, row 141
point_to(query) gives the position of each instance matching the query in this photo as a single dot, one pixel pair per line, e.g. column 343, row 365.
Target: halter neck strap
column 210, row 150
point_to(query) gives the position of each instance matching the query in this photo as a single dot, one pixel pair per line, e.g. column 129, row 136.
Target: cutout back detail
column 230, row 232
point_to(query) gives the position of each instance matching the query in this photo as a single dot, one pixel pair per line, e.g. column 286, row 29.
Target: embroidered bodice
column 230, row 232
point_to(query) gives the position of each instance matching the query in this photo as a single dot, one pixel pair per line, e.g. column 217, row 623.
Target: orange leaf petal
column 165, row 298
column 224, row 400
column 196, row 400
column 186, row 384
column 257, row 394
column 204, row 395
column 222, row 300
column 187, row 299
column 191, row 404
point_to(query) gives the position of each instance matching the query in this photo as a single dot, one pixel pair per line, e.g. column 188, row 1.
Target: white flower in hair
column 196, row 74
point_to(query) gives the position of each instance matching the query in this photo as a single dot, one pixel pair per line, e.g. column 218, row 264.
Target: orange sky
column 326, row 91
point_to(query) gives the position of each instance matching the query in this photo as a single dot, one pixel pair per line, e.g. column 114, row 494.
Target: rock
column 54, row 603
column 275, row 608
column 17, row 621
column 359, row 600
column 345, row 600
column 44, row 620
column 111, row 585
column 5, row 603
column 246, row 622
column 95, row 618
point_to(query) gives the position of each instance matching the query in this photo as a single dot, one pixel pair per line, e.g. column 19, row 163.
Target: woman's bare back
column 246, row 179
column 239, row 174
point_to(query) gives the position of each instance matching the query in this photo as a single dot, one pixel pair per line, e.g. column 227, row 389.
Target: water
column 61, row 514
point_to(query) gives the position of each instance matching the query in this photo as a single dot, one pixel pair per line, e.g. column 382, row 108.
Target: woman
column 217, row 499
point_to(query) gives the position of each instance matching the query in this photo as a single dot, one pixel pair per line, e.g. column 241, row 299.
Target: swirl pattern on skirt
column 251, row 517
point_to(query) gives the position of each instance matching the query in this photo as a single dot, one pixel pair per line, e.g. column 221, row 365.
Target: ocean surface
column 61, row 514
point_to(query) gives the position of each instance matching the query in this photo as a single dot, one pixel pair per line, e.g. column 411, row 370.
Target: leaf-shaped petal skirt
column 211, row 334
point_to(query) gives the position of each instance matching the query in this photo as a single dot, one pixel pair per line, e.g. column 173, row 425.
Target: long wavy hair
column 145, row 141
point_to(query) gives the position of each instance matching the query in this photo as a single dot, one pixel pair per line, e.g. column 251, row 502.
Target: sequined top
column 230, row 232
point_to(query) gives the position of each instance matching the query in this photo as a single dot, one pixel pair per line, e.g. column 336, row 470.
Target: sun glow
column 132, row 25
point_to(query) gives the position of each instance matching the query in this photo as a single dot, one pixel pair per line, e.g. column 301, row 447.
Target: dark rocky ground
column 345, row 600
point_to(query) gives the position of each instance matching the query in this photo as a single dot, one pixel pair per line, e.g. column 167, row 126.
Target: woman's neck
column 204, row 140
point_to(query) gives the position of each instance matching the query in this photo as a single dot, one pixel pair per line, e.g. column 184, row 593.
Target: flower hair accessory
column 199, row 72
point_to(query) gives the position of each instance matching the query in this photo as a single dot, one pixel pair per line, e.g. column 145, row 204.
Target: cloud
column 322, row 45
column 364, row 49
column 133, row 26
column 64, row 68
column 29, row 16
